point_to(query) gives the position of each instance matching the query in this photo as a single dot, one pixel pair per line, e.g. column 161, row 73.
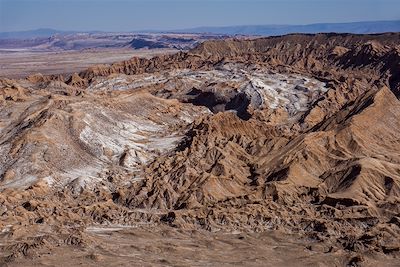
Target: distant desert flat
column 21, row 63
column 66, row 54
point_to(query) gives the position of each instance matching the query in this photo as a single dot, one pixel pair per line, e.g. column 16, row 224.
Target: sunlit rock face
column 296, row 133
column 72, row 137
column 258, row 87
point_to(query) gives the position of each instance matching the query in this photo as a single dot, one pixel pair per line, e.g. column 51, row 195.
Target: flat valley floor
column 21, row 63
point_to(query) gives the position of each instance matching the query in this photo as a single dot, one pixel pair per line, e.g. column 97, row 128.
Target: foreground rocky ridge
column 296, row 133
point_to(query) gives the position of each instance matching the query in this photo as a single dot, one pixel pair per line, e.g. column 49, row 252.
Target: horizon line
column 195, row 27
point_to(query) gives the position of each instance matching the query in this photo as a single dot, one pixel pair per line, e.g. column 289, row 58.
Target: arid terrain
column 278, row 151
column 22, row 63
column 102, row 40
column 74, row 52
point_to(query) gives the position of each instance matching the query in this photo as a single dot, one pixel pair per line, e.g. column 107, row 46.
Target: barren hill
column 296, row 134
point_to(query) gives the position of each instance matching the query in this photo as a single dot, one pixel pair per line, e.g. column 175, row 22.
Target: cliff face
column 297, row 133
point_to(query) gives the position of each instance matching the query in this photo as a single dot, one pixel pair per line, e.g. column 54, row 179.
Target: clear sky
column 129, row 15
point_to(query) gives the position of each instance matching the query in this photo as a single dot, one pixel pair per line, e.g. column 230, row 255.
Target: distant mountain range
column 264, row 30
column 268, row 30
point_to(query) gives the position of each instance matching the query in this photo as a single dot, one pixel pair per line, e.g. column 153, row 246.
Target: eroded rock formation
column 297, row 133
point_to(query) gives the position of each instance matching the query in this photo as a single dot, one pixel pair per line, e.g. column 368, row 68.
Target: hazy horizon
column 140, row 15
column 200, row 26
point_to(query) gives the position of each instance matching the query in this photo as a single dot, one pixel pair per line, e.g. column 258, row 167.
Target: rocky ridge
column 239, row 153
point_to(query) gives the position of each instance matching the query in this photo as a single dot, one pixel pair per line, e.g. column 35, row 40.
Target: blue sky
column 129, row 15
